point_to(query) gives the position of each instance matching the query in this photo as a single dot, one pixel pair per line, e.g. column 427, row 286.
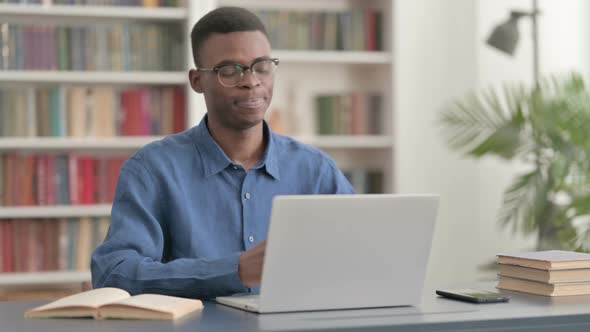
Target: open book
column 116, row 303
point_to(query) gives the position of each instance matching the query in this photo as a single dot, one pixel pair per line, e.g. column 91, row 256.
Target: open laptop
column 327, row 252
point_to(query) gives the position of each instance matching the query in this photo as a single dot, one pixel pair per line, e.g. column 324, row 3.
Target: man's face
column 243, row 106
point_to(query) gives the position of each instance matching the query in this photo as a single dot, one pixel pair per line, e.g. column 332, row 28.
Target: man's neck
column 242, row 147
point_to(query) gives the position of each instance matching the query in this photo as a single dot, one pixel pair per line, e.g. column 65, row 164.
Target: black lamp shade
column 505, row 36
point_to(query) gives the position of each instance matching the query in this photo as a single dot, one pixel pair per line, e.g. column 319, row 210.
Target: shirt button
column 235, row 167
column 251, row 239
column 247, row 195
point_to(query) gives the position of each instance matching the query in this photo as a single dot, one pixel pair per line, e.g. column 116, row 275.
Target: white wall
column 440, row 54
column 435, row 58
column 563, row 30
column 495, row 175
column 563, row 36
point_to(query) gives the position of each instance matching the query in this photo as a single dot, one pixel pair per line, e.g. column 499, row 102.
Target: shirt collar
column 215, row 160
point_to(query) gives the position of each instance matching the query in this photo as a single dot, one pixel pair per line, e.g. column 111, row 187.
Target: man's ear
column 194, row 77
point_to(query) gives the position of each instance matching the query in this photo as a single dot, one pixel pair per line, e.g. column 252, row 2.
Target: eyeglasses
column 230, row 74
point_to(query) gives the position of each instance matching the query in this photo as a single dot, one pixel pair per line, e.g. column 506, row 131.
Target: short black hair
column 223, row 20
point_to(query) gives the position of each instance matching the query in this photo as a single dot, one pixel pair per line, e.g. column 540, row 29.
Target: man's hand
column 250, row 269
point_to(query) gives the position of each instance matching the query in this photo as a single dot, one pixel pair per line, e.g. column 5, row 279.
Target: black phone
column 473, row 295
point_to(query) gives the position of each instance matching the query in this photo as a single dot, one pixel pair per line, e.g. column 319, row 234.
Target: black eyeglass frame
column 243, row 69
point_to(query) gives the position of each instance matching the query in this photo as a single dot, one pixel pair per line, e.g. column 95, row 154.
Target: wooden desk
column 522, row 313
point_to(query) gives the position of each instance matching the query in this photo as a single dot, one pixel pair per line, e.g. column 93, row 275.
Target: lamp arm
column 517, row 14
column 535, row 39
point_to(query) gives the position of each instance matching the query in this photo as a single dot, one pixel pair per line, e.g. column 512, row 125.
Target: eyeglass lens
column 231, row 75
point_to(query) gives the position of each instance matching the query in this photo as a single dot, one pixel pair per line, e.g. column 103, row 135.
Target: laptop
column 328, row 252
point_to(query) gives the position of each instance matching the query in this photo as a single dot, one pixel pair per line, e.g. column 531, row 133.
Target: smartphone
column 473, row 295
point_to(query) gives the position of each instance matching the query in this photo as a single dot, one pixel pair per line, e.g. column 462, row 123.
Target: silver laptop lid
column 347, row 251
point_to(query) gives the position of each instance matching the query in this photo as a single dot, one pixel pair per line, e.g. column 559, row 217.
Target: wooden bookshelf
column 90, row 77
column 348, row 142
column 44, row 278
column 66, row 12
column 34, row 284
column 135, row 142
column 57, row 211
column 302, row 75
column 318, row 5
column 124, row 143
column 334, row 57
column 309, row 70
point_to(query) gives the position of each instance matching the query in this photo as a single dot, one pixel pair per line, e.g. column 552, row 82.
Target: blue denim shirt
column 183, row 213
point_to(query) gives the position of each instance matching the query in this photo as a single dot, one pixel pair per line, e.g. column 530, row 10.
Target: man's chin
column 248, row 124
column 249, row 118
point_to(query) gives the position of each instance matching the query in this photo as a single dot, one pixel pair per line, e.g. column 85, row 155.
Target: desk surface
column 523, row 313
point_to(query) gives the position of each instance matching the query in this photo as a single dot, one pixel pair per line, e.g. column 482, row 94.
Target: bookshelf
column 136, row 142
column 46, row 12
column 348, row 142
column 76, row 144
column 50, row 14
column 47, row 278
column 334, row 57
column 309, row 69
column 296, row 89
column 80, row 77
column 64, row 211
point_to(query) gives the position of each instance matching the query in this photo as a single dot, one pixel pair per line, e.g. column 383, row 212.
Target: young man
column 191, row 211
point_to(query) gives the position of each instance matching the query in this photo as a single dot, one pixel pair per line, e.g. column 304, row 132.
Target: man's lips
column 251, row 103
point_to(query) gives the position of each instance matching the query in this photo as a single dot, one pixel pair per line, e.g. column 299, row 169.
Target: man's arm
column 131, row 255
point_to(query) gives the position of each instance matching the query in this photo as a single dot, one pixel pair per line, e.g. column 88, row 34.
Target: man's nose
column 249, row 80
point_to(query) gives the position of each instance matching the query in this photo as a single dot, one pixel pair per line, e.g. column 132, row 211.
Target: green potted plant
column 546, row 129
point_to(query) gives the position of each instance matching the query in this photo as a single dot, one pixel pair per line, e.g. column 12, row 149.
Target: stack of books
column 548, row 273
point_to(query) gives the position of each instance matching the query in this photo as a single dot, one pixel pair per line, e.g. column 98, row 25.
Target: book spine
column 73, row 179
column 62, row 244
column 73, row 226
column 51, row 180
column 7, row 246
column 179, row 111
column 2, row 180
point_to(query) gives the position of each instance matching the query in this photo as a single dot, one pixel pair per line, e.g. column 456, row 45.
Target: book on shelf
column 348, row 30
column 547, row 260
column 127, row 3
column 47, row 179
column 64, row 244
column 546, row 276
column 100, row 47
column 365, row 181
column 81, row 111
column 349, row 114
column 545, row 289
column 105, row 303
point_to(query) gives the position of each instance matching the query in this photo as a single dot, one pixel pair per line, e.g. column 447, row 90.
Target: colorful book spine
column 91, row 111
column 349, row 114
column 117, row 47
column 349, row 30
column 365, row 181
column 34, row 245
column 32, row 180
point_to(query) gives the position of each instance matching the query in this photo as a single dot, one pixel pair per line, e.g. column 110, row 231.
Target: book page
column 92, row 299
column 175, row 306
column 550, row 255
